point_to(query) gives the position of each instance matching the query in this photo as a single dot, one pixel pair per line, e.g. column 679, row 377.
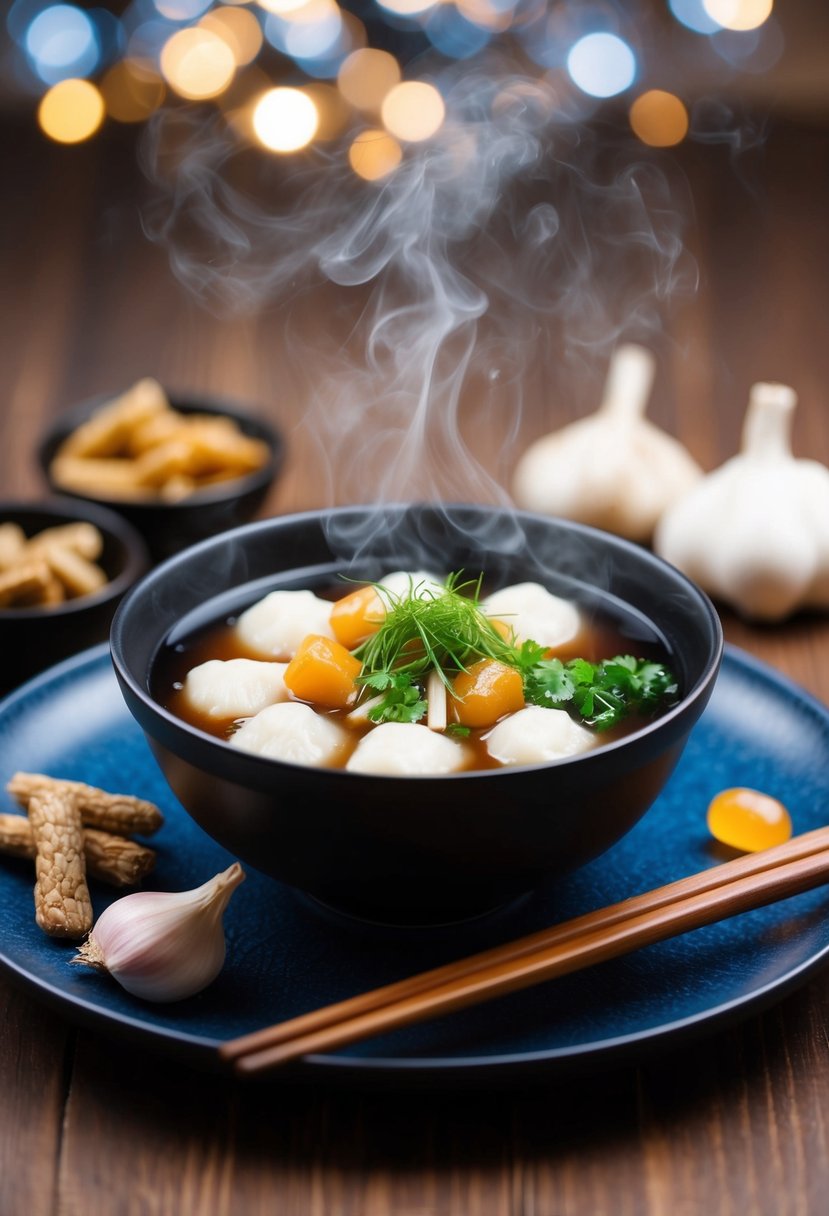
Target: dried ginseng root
column 62, row 904
column 122, row 814
column 112, row 859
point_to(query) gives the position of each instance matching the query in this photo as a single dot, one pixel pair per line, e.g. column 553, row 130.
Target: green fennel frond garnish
column 432, row 628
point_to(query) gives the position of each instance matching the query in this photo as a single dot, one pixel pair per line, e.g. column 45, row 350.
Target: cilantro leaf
column 402, row 700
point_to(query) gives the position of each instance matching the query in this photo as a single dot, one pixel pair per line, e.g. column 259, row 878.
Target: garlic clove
column 163, row 946
column 613, row 470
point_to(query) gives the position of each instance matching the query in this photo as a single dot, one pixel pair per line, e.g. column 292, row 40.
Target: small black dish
column 168, row 527
column 426, row 848
column 32, row 639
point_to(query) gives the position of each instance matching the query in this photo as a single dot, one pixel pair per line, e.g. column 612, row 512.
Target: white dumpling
column 534, row 735
column 275, row 626
column 534, row 614
column 402, row 583
column 292, row 732
column 404, row 749
column 235, row 688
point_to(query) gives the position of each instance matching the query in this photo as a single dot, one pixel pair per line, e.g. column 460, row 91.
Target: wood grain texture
column 732, row 1125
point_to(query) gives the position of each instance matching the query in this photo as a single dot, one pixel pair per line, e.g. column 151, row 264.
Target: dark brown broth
column 602, row 636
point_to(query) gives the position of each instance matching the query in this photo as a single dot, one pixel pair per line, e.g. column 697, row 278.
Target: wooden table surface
column 739, row 1122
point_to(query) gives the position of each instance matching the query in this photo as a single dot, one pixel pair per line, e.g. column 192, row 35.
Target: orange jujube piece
column 485, row 692
column 323, row 672
column 357, row 616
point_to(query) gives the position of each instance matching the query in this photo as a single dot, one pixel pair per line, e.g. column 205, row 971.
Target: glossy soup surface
column 605, row 632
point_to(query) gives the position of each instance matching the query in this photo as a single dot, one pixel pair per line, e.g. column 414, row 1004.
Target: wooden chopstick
column 724, row 890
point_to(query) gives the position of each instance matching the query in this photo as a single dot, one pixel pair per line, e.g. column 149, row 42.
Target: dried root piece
column 122, row 814
column 75, row 574
column 62, row 904
column 12, row 544
column 112, row 859
column 98, row 477
column 78, row 537
column 24, row 584
column 105, row 433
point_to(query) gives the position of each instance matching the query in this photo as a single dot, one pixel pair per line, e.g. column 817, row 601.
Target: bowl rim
column 221, row 492
column 264, row 765
column 71, row 509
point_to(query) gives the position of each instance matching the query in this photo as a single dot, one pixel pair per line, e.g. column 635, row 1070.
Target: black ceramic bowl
column 168, row 527
column 422, row 848
column 32, row 639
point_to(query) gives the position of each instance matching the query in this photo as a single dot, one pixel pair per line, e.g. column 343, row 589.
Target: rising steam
column 512, row 235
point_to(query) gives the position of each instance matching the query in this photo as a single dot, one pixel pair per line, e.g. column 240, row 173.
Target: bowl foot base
column 414, row 918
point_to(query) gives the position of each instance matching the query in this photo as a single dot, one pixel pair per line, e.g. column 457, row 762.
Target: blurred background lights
column 239, row 29
column 281, row 7
column 413, row 110
column 62, row 42
column 366, row 76
column 453, row 34
column 602, row 65
column 197, row 63
column 693, row 15
column 407, row 8
column 374, row 154
column 182, row 10
column 659, row 119
column 285, row 119
column 739, row 14
column 71, row 111
column 132, row 90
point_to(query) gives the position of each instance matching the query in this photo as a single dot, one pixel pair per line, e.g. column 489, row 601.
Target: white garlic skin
column 164, row 946
column 614, row 469
column 754, row 533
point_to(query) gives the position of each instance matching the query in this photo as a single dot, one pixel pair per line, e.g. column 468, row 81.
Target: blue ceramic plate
column 287, row 955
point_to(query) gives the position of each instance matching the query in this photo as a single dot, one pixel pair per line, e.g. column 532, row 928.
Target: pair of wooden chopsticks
column 725, row 890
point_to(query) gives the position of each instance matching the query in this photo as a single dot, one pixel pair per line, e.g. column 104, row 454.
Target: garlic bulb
column 163, row 946
column 755, row 532
column 614, row 469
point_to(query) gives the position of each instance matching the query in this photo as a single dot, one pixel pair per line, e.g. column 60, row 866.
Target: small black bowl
column 168, row 527
column 421, row 848
column 32, row 639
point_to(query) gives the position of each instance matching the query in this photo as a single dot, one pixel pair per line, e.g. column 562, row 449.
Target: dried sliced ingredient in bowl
column 56, row 564
column 138, row 447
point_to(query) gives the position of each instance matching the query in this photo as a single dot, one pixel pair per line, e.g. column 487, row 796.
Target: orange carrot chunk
column 485, row 692
column 357, row 616
column 322, row 671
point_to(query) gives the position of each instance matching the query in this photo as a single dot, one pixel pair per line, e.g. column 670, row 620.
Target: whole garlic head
column 755, row 532
column 614, row 469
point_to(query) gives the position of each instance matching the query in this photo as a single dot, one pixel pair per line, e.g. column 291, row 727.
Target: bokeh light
column 374, row 154
column 285, row 119
column 739, row 14
column 692, row 14
column 132, row 90
column 413, row 111
column 281, row 7
column 239, row 29
column 71, row 111
column 602, row 65
column 407, row 8
column 197, row 63
column 62, row 42
column 182, row 10
column 453, row 34
column 366, row 76
column 659, row 118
